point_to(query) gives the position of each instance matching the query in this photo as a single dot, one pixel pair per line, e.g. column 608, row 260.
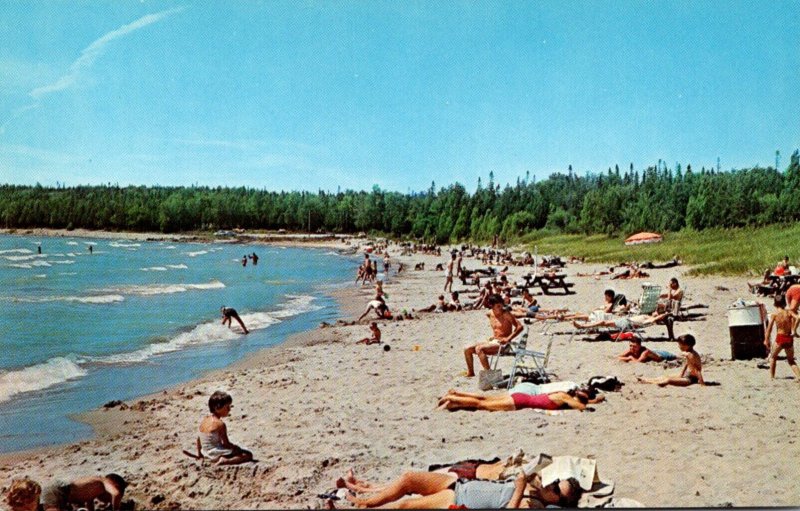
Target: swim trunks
column 540, row 401
column 480, row 494
column 784, row 340
column 666, row 355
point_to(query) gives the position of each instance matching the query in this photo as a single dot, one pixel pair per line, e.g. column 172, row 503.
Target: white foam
column 170, row 247
column 16, row 250
column 178, row 266
column 68, row 273
column 19, row 265
column 118, row 244
column 22, row 257
column 195, row 254
column 41, row 276
column 40, row 263
column 74, row 243
column 38, row 377
column 93, row 299
column 203, row 334
column 297, row 304
column 165, row 289
column 154, row 268
column 63, row 261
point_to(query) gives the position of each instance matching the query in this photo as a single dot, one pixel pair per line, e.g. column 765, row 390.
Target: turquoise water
column 79, row 329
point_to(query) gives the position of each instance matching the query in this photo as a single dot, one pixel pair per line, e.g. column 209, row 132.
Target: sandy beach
column 319, row 404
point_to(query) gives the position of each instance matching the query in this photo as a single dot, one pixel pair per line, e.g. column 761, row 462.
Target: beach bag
column 488, row 378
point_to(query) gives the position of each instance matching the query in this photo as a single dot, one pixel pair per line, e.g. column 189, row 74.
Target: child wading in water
column 785, row 323
column 692, row 371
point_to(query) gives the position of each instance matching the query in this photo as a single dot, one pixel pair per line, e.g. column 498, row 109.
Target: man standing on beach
column 448, row 283
column 505, row 327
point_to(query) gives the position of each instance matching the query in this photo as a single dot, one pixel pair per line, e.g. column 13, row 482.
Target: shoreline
column 319, row 404
column 98, row 420
column 247, row 238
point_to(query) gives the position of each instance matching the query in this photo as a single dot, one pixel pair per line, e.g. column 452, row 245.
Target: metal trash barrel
column 746, row 322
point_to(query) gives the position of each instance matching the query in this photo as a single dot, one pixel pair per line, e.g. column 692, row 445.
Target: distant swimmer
column 91, row 249
column 229, row 313
column 244, row 260
column 254, row 257
column 39, row 248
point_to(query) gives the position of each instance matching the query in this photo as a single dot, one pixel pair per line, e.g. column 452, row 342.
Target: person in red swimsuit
column 506, row 402
column 785, row 324
column 793, row 297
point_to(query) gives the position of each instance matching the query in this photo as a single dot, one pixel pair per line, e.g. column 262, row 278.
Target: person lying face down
column 83, row 492
column 438, row 490
column 636, row 352
column 517, row 399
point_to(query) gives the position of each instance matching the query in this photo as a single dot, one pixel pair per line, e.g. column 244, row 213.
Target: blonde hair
column 23, row 492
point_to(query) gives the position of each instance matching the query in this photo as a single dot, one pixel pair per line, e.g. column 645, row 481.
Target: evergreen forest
column 614, row 202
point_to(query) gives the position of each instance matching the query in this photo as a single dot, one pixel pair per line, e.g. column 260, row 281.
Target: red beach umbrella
column 644, row 237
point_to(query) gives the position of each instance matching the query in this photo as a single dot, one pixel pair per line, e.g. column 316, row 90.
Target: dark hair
column 780, row 301
column 687, row 339
column 786, row 258
column 494, row 299
column 454, row 294
column 610, row 292
column 675, row 280
column 219, row 399
column 574, row 496
column 118, row 481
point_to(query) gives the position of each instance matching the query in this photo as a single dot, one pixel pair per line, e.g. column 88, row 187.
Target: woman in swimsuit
column 511, row 401
column 443, row 490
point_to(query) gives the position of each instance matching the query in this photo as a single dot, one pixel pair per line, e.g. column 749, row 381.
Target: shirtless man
column 638, row 353
column 229, row 313
column 785, row 322
column 448, row 283
column 83, row 492
column 692, row 371
column 505, row 327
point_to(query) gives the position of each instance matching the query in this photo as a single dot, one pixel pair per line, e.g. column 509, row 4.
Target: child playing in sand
column 692, row 371
column 376, row 335
column 82, row 493
column 785, row 322
column 23, row 495
column 214, row 443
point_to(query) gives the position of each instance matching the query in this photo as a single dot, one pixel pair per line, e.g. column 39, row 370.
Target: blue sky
column 309, row 95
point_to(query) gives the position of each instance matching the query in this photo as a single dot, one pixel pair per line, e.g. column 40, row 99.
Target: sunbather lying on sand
column 638, row 353
column 614, row 303
column 692, row 371
column 622, row 323
column 438, row 490
column 468, row 469
column 509, row 402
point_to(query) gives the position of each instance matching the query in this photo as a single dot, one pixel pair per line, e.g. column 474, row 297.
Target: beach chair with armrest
column 528, row 363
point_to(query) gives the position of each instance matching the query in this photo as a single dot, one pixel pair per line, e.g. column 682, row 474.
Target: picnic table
column 548, row 281
column 778, row 284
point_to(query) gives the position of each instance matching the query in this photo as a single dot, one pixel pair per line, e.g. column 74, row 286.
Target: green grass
column 745, row 251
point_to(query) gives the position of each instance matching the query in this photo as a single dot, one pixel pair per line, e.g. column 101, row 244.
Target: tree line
column 613, row 202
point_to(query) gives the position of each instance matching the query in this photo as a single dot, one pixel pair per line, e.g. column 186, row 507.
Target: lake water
column 79, row 329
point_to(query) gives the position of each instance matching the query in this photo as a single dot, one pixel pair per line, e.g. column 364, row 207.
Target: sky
column 350, row 94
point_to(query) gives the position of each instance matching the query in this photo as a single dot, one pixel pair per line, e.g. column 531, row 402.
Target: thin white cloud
column 94, row 50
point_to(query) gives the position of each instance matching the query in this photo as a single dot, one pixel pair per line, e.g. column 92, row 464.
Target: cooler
column 746, row 323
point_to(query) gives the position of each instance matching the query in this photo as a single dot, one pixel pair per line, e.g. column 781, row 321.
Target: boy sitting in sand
column 692, row 371
column 785, row 323
column 23, row 495
column 83, row 492
column 376, row 335
column 213, row 440
column 638, row 353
